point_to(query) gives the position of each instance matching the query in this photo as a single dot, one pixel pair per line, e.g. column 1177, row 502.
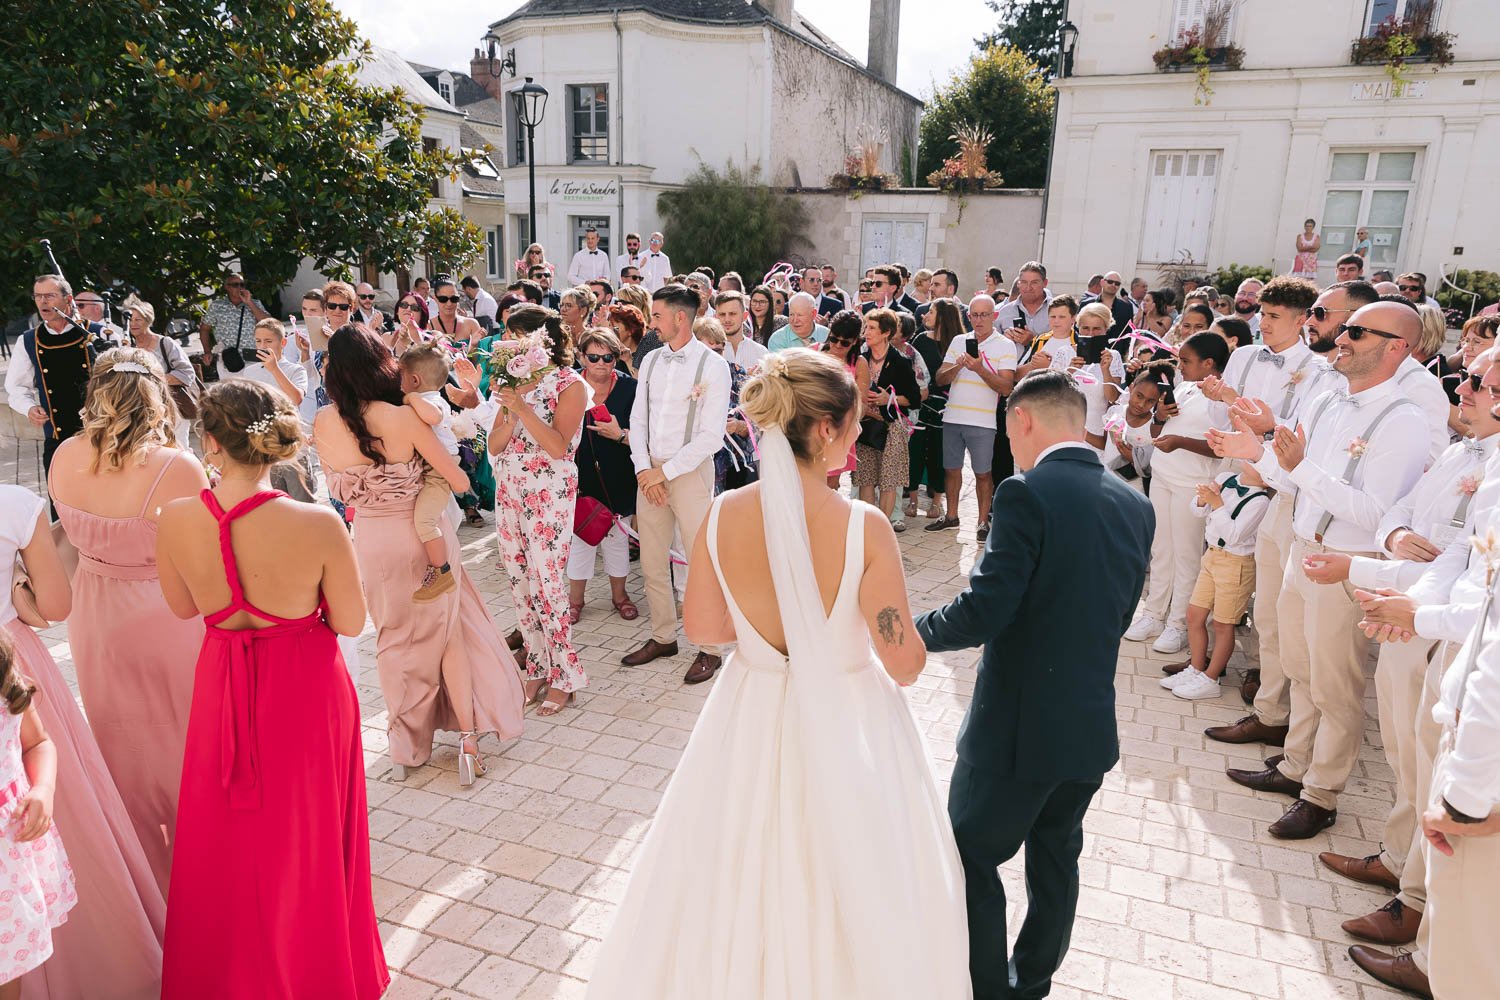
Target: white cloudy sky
column 936, row 35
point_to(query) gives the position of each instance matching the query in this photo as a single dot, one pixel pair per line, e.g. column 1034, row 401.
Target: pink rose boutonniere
column 1356, row 448
column 1296, row 377
column 696, row 392
column 1469, row 485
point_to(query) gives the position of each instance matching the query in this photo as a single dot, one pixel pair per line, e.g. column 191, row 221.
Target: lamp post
column 1067, row 40
column 531, row 103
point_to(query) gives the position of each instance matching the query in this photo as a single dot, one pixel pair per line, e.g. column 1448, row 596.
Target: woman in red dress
column 270, row 893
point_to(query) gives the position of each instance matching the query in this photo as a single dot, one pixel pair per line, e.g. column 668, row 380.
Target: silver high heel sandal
column 398, row 772
column 470, row 765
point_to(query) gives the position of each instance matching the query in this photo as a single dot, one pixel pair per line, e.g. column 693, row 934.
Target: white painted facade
column 1140, row 174
column 678, row 93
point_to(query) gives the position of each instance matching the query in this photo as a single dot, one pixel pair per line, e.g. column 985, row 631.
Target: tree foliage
column 1028, row 25
column 730, row 220
column 156, row 141
column 1228, row 278
column 1003, row 91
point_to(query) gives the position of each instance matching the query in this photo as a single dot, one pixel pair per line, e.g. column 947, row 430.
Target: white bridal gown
column 801, row 851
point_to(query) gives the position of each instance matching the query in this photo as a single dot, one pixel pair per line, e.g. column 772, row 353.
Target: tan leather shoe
column 652, row 650
column 1393, row 923
column 1248, row 730
column 1303, row 821
column 1368, row 870
column 705, row 665
column 1269, row 780
column 1399, row 971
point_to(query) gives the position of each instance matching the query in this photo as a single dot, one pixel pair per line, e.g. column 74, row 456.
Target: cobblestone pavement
column 505, row 889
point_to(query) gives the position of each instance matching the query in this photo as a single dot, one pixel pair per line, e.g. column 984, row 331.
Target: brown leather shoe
column 652, row 650
column 1250, row 686
column 1269, row 780
column 1399, row 971
column 515, row 640
column 1393, row 923
column 1172, row 669
column 705, row 665
column 1273, row 761
column 1370, row 870
column 1302, row 821
column 1248, row 730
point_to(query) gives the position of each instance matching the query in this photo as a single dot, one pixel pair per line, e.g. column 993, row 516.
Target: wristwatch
column 1459, row 817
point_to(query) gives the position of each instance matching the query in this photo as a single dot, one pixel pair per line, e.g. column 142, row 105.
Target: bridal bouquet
column 514, row 363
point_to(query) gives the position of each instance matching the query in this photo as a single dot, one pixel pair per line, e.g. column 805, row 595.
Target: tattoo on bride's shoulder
column 892, row 632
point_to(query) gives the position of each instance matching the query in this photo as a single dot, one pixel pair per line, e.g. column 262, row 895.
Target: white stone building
column 1141, row 175
column 641, row 91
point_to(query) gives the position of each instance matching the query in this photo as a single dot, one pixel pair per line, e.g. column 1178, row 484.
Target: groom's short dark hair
column 679, row 297
column 1052, row 395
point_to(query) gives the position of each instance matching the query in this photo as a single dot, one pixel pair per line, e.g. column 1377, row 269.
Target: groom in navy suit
column 1049, row 600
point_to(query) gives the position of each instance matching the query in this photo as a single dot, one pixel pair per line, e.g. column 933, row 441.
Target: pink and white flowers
column 1356, row 448
column 1469, row 485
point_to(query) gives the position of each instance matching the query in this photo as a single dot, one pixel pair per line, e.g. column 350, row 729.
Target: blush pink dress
column 110, row 946
column 433, row 656
column 135, row 666
column 272, row 896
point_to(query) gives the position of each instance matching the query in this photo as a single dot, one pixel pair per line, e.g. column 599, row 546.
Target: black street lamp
column 531, row 103
column 1067, row 40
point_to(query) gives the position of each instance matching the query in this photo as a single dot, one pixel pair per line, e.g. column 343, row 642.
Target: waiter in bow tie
column 655, row 265
column 589, row 263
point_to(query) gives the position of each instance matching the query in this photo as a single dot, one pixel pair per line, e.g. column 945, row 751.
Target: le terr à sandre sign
column 585, row 191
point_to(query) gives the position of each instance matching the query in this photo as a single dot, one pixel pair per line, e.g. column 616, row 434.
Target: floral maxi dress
column 534, row 499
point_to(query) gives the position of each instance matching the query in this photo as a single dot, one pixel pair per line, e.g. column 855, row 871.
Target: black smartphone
column 1166, row 392
column 1092, row 349
column 1018, row 322
column 972, row 346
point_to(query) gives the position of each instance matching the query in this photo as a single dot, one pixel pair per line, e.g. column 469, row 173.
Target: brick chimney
column 479, row 69
column 885, row 28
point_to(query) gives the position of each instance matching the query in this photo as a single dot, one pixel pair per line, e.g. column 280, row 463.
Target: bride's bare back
column 745, row 563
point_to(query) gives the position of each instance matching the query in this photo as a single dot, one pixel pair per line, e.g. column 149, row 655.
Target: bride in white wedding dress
column 801, row 849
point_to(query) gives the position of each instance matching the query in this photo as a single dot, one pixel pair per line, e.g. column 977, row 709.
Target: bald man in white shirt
column 655, row 265
column 1351, row 457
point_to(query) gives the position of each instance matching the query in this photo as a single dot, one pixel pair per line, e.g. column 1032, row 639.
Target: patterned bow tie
column 672, row 357
column 1473, row 447
column 1272, row 357
column 1342, row 395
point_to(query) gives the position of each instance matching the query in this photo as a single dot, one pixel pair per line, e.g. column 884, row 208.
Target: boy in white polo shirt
column 978, row 369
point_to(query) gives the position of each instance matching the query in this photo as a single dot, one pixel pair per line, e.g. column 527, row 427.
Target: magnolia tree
column 155, row 141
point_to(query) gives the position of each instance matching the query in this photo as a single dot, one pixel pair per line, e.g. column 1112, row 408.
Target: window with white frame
column 1378, row 12
column 588, row 123
column 494, row 252
column 445, row 91
column 1370, row 190
column 1188, row 15
column 1180, row 191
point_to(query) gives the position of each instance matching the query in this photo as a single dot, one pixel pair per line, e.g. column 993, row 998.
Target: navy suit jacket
column 1049, row 600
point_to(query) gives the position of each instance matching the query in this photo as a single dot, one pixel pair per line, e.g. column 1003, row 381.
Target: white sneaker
column 1171, row 682
column 1171, row 640
column 1197, row 687
column 1143, row 628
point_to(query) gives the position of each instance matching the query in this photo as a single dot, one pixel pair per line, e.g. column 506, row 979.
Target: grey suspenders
column 1291, row 385
column 692, row 416
column 1352, row 466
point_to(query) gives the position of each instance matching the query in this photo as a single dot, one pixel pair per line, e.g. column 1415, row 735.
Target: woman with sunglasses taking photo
column 845, row 339
column 461, row 331
column 605, row 471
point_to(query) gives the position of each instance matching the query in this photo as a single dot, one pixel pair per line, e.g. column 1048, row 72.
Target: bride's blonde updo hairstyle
column 794, row 391
column 127, row 409
column 254, row 423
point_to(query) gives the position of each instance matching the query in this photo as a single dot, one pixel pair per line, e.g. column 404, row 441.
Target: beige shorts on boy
column 1225, row 583
column 432, row 502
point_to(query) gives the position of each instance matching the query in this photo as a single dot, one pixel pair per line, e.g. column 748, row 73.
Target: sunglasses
column 843, row 341
column 406, row 305
column 598, row 359
column 1359, row 332
column 235, row 284
column 338, row 306
column 447, row 298
column 1410, row 288
column 367, row 298
column 1113, row 284
column 1320, row 313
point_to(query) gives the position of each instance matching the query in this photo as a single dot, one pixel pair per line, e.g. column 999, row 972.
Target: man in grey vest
column 1352, row 454
column 677, row 426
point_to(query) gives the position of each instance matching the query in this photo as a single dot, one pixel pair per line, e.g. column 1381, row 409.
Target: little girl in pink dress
column 36, row 882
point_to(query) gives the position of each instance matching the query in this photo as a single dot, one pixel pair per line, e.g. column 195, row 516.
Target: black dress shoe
column 943, row 524
column 1269, row 780
column 515, row 640
column 1273, row 761
column 1248, row 730
column 1250, row 686
column 652, row 650
column 1302, row 821
column 705, row 665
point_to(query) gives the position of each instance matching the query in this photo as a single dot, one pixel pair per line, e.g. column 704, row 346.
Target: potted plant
column 1397, row 42
column 1202, row 48
column 968, row 169
column 862, row 166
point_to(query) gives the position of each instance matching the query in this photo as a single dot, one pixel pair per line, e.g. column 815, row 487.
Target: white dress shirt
column 747, row 355
column 1235, row 533
column 1196, row 413
column 1452, row 586
column 656, row 268
column 587, row 265
column 1254, row 371
column 484, row 304
column 20, row 375
column 1393, row 460
column 1445, row 491
column 1470, row 701
column 1423, row 388
column 663, row 400
column 622, row 261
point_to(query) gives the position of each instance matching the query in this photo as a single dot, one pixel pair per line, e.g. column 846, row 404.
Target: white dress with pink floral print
column 534, row 499
column 36, row 881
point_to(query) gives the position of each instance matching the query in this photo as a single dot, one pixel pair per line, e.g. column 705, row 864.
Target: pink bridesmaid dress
column 110, row 946
column 135, row 667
